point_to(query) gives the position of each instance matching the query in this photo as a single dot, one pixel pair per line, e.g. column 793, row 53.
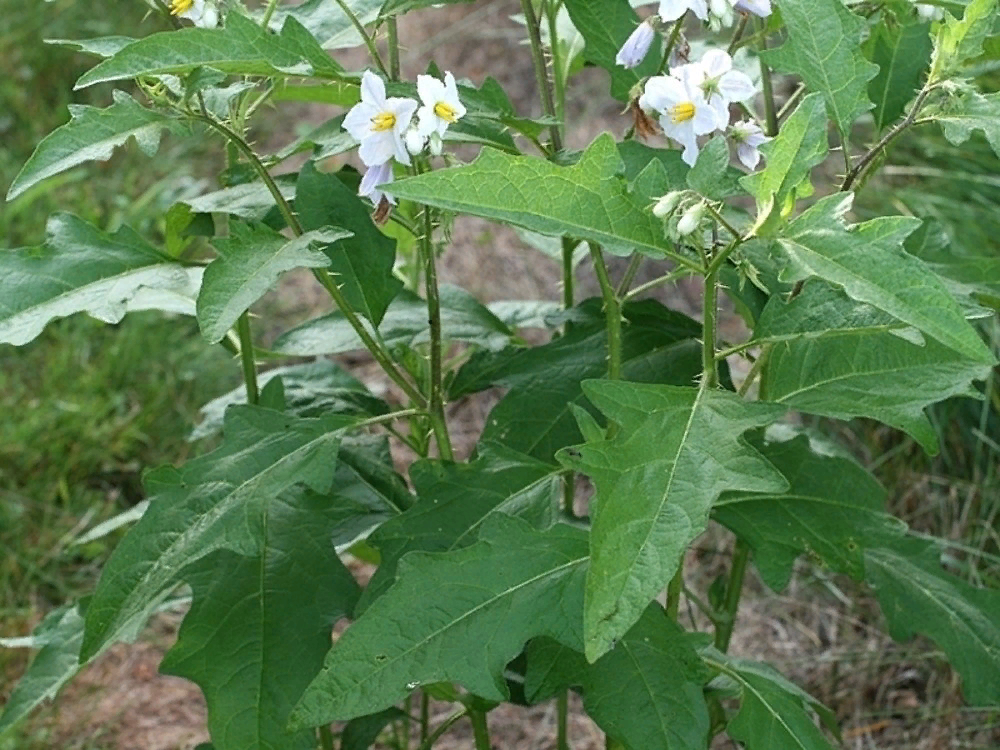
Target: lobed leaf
column 959, row 40
column 327, row 22
column 961, row 115
column 675, row 451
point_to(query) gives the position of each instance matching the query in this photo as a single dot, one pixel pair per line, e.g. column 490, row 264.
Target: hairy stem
column 393, row 32
column 246, row 357
column 568, row 247
column 365, row 36
column 435, row 403
column 559, row 84
column 675, row 33
column 480, row 730
column 679, row 273
column 268, row 13
column 541, row 74
column 710, row 368
column 755, row 370
column 629, row 276
column 562, row 721
column 740, row 28
column 734, row 588
column 612, row 313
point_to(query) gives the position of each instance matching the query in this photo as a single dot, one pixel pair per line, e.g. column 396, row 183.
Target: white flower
column 671, row 10
column 202, row 13
column 684, row 113
column 747, row 136
column 719, row 83
column 637, row 46
column 441, row 105
column 380, row 174
column 414, row 140
column 379, row 124
column 760, row 8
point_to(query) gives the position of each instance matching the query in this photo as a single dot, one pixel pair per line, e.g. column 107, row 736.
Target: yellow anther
column 180, row 6
column 445, row 111
column 681, row 112
column 383, row 121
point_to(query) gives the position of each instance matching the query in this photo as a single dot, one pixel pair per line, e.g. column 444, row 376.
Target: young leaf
column 251, row 201
column 799, row 146
column 217, row 501
column 902, row 53
column 327, row 21
column 310, row 390
column 241, row 48
column 646, row 692
column 823, row 47
column 876, row 375
column 463, row 318
column 259, row 626
column 918, row 596
column 92, row 134
column 676, row 450
column 362, row 263
column 959, row 40
column 588, row 200
column 251, row 259
column 772, row 710
column 710, row 174
column 454, row 500
column 962, row 114
column 605, row 25
column 535, row 417
column 512, row 585
column 833, row 511
column 869, row 262
column 80, row 269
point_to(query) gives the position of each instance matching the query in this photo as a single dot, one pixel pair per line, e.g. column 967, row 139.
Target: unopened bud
column 691, row 219
column 667, row 204
column 414, row 141
column 436, row 144
column 637, row 46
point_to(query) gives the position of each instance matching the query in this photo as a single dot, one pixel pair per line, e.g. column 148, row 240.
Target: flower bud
column 761, row 8
column 667, row 204
column 636, row 46
column 436, row 144
column 414, row 141
column 691, row 219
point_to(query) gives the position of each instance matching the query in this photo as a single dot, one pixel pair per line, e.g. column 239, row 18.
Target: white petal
column 379, row 148
column 358, row 122
column 700, row 9
column 684, row 134
column 399, row 148
column 450, row 87
column 715, row 62
column 662, row 93
column 431, row 90
column 671, row 10
column 403, row 109
column 210, row 19
column 709, row 117
column 372, row 90
column 748, row 154
column 736, row 86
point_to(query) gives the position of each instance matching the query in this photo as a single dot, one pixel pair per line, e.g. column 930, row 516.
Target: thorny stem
column 675, row 32
column 740, row 28
column 665, row 279
column 710, row 368
column 390, row 25
column 731, row 602
column 792, row 100
column 568, row 247
column 390, row 417
column 869, row 156
column 755, row 370
column 541, row 75
column 674, row 589
column 435, row 403
column 480, row 730
column 365, row 37
column 719, row 218
column 321, row 274
column 268, row 13
column 562, row 720
column 629, row 276
column 441, row 729
column 557, row 79
column 612, row 313
column 247, row 358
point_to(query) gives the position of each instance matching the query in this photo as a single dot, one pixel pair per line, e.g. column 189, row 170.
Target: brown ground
column 821, row 633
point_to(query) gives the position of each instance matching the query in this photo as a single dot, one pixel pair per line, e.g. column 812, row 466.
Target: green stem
column 404, row 743
column 568, row 248
column 675, row 32
column 557, row 80
column 425, row 716
column 665, row 279
column 569, row 493
column 390, row 417
column 562, row 721
column 674, row 589
column 629, row 276
column 755, row 370
column 541, row 75
column 435, row 402
column 441, row 729
column 480, row 730
column 770, row 113
column 719, row 218
column 393, row 48
column 268, row 13
column 740, row 28
column 246, row 357
column 612, row 313
column 325, row 738
column 792, row 100
column 365, row 37
column 710, row 369
column 731, row 603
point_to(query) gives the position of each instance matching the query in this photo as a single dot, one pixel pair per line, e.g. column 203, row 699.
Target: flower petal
column 372, row 90
column 379, row 148
column 671, row 10
column 358, row 122
column 736, row 86
column 715, row 62
column 662, row 93
column 748, row 154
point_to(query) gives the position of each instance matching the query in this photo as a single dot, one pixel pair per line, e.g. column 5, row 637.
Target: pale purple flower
column 374, row 179
column 760, row 8
column 671, row 10
column 747, row 136
column 637, row 46
column 379, row 124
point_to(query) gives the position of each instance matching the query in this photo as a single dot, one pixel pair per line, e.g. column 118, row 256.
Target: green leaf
column 58, row 637
column 251, row 259
column 454, row 500
column 827, row 55
column 958, row 41
column 588, row 200
column 646, row 692
column 876, row 375
column 463, row 318
column 251, row 201
column 800, row 145
column 605, row 25
column 327, row 21
column 833, row 511
column 217, row 501
column 772, row 710
column 535, row 416
column 361, row 733
column 92, row 134
column 399, row 7
column 102, row 46
column 310, row 390
column 710, row 174
column 529, row 313
column 903, row 53
column 241, row 48
column 361, row 264
column 82, row 269
column 239, row 644
column 868, row 261
column 512, row 585
column 676, row 450
column 962, row 114
column 918, row 596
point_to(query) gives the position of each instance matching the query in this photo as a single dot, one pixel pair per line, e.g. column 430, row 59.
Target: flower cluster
column 385, row 128
column 204, row 13
column 694, row 100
